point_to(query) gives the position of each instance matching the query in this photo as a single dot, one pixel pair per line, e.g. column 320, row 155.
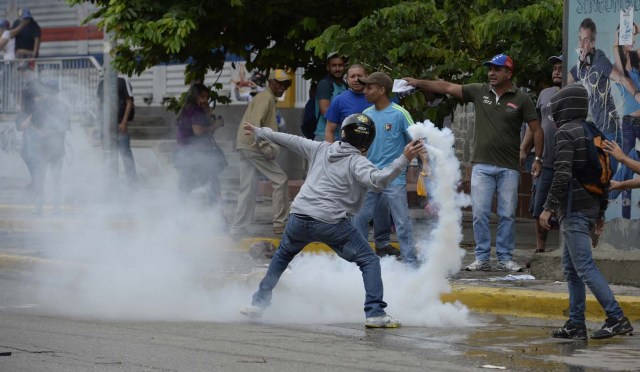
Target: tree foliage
column 268, row 34
column 445, row 39
column 449, row 39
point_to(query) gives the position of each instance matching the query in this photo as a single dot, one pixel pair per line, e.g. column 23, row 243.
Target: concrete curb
column 536, row 304
column 482, row 299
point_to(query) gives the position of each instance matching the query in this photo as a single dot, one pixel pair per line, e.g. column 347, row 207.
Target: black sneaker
column 387, row 251
column 571, row 331
column 613, row 327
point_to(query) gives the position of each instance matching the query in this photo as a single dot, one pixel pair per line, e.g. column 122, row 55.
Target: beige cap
column 280, row 75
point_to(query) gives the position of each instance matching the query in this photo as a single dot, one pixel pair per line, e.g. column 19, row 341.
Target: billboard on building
column 601, row 52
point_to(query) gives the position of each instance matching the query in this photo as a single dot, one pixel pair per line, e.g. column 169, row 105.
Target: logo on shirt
column 486, row 100
column 387, row 126
column 511, row 107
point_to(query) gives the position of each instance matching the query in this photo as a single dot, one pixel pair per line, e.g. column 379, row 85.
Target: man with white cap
column 500, row 109
column 259, row 157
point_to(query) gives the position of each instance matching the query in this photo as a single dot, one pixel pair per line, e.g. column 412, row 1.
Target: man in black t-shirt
column 28, row 40
column 125, row 114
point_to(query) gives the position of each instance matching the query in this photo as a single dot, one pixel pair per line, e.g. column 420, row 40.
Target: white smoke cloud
column 149, row 255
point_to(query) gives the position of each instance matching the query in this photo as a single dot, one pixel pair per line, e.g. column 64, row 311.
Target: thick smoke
column 147, row 254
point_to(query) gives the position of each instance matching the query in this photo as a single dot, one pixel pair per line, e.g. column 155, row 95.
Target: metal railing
column 76, row 78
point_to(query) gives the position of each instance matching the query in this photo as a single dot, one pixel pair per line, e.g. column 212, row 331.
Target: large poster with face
column 601, row 53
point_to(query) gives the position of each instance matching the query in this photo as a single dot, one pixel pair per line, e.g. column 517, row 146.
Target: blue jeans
column 396, row 196
column 487, row 180
column 343, row 238
column 124, row 147
column 382, row 224
column 579, row 269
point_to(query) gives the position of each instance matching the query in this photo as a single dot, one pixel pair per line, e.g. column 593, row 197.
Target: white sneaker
column 478, row 265
column 251, row 311
column 508, row 266
column 383, row 321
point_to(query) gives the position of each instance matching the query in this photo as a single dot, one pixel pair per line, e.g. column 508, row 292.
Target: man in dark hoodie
column 569, row 109
column 338, row 179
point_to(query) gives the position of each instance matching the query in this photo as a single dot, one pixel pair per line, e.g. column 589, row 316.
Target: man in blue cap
column 500, row 108
column 27, row 40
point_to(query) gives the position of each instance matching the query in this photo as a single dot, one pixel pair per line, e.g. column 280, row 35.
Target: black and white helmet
column 359, row 131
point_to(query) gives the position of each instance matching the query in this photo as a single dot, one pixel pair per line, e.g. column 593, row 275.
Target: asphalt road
column 41, row 340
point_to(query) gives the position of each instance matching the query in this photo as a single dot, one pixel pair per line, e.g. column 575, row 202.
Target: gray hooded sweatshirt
column 338, row 179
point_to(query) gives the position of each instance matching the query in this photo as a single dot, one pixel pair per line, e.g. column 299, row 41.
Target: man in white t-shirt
column 7, row 40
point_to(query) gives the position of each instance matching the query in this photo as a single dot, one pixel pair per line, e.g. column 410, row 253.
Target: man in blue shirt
column 392, row 122
column 351, row 101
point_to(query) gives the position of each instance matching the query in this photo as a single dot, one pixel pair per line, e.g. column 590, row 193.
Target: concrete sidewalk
column 486, row 292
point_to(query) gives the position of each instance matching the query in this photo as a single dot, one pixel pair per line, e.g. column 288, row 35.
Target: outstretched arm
column 436, row 86
column 613, row 149
column 301, row 145
column 633, row 183
column 376, row 179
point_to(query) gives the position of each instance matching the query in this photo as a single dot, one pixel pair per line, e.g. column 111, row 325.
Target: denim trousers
column 580, row 269
column 487, row 180
column 124, row 147
column 343, row 238
column 396, row 197
column 382, row 224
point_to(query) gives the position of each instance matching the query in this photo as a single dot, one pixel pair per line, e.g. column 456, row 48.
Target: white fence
column 75, row 77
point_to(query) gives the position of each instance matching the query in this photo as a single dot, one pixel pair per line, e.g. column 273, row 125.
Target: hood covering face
column 570, row 103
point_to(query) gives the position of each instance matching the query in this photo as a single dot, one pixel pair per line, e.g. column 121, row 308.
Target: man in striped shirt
column 579, row 212
column 392, row 122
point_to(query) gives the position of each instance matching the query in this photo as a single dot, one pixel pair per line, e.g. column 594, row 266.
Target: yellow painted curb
column 18, row 262
column 528, row 303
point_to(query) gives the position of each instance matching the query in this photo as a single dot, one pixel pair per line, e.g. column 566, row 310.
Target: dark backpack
column 309, row 118
column 595, row 175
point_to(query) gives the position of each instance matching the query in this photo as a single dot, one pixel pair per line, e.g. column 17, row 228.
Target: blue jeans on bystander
column 487, row 180
column 580, row 269
column 396, row 196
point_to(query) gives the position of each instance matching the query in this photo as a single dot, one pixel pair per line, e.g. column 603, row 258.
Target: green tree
column 268, row 34
column 449, row 39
